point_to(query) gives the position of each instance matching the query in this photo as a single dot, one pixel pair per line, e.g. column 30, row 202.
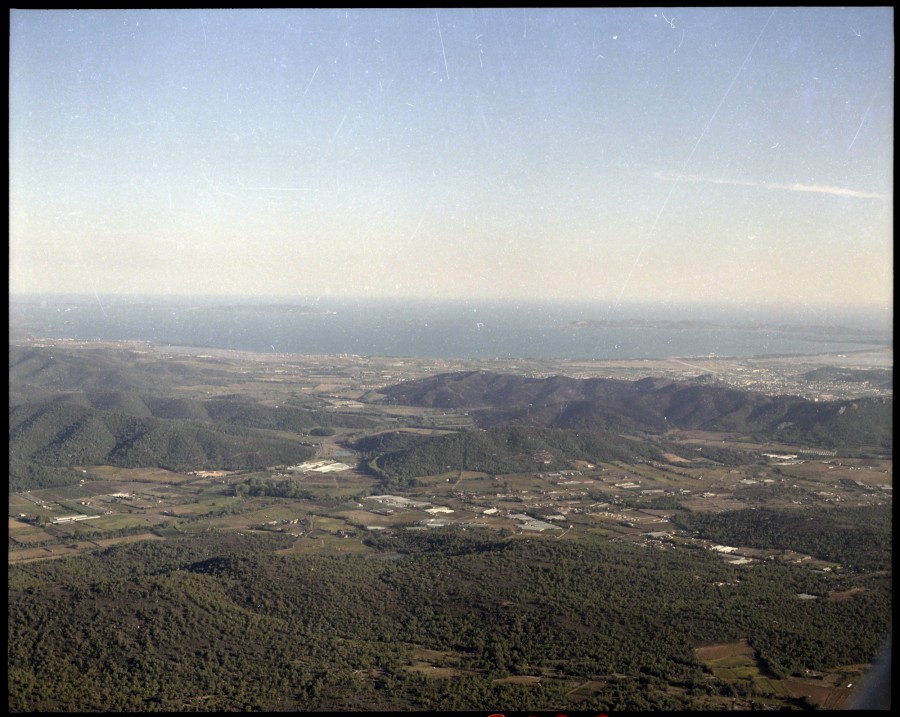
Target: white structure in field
column 319, row 467
column 73, row 518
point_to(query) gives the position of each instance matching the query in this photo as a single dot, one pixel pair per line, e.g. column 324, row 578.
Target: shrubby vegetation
column 24, row 475
column 285, row 488
column 717, row 454
column 859, row 538
column 222, row 623
column 653, row 406
column 401, row 457
column 849, row 426
column 62, row 435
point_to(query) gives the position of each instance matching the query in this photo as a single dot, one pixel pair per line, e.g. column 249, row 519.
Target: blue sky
column 737, row 156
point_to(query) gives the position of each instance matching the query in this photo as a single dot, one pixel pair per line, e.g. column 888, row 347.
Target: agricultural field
column 436, row 519
column 738, row 663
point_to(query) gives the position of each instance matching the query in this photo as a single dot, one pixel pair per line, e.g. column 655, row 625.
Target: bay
column 450, row 329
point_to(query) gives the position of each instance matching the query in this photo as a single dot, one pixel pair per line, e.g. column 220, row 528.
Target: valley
column 379, row 481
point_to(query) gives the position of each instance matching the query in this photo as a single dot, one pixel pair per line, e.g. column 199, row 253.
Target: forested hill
column 229, row 411
column 399, row 457
column 56, row 435
column 59, row 370
column 652, row 405
column 126, row 407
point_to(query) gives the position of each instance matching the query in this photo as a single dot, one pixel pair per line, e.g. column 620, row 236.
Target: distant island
column 689, row 324
column 287, row 308
column 74, row 303
column 640, row 323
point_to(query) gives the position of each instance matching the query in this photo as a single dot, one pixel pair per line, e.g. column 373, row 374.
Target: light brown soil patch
column 434, row 672
column 845, row 595
column 823, row 695
column 518, row 680
column 725, row 649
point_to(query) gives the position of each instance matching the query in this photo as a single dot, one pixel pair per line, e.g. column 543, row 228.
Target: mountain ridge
column 649, row 405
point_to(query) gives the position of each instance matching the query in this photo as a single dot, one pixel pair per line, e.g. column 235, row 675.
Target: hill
column 101, row 369
column 62, row 434
column 400, row 457
column 125, row 407
column 231, row 411
column 651, row 405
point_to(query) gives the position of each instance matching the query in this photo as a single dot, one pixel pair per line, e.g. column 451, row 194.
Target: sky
column 716, row 155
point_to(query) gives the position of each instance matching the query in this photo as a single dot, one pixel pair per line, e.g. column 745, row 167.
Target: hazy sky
column 735, row 155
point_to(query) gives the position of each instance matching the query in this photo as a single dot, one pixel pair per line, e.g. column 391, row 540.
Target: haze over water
column 445, row 329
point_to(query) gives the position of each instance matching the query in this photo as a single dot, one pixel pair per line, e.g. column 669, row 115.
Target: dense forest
column 653, row 405
column 859, row 538
column 75, row 409
column 276, row 590
column 49, row 436
column 121, row 407
column 399, row 457
column 219, row 622
column 64, row 434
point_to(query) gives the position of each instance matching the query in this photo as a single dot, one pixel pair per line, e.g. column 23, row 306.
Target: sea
column 449, row 329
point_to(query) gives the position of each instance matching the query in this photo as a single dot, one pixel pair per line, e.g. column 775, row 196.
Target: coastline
column 770, row 374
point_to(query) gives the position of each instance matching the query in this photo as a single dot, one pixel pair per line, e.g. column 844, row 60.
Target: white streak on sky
column 214, row 187
column 861, row 122
column 310, row 82
column 520, row 117
column 275, row 189
column 337, row 131
column 665, row 203
column 422, row 219
column 792, row 187
column 443, row 52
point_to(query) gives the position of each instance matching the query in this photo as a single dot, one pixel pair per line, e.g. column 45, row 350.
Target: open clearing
column 736, row 661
